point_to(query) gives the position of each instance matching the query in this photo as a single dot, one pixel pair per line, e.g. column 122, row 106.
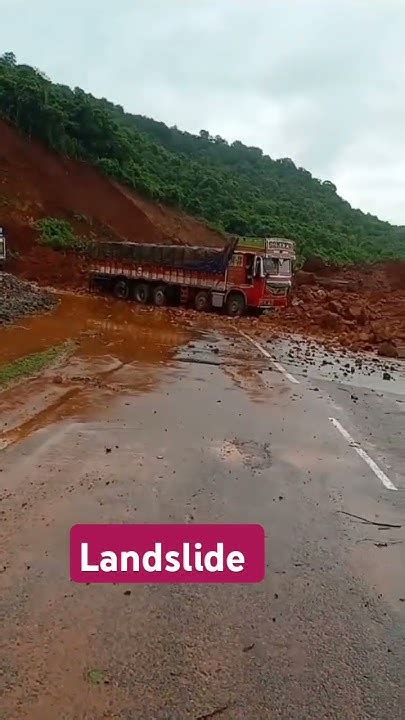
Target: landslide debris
column 360, row 307
column 19, row 298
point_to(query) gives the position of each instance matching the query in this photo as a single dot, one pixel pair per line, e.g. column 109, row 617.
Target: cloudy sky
column 320, row 81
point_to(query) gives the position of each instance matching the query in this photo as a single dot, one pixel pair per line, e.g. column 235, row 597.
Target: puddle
column 104, row 327
column 119, row 348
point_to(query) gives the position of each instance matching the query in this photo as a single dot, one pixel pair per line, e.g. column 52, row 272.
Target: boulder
column 333, row 283
column 315, row 264
column 366, row 337
column 335, row 307
column 387, row 349
column 381, row 332
column 304, row 278
column 330, row 320
column 357, row 313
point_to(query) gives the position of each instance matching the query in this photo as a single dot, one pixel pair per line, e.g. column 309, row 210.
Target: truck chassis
column 167, row 286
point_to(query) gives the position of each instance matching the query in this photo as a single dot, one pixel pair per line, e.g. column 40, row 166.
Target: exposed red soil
column 36, row 183
column 179, row 226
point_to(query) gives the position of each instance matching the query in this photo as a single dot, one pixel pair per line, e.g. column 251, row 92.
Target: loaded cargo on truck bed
column 247, row 273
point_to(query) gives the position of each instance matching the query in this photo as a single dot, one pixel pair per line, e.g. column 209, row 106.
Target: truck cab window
column 284, row 267
column 271, row 266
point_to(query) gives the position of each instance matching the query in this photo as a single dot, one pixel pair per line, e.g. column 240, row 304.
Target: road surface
column 155, row 420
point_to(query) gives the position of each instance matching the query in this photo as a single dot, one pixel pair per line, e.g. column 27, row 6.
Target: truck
column 247, row 274
column 2, row 248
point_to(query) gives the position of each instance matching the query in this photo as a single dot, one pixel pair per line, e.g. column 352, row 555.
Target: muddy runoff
column 111, row 348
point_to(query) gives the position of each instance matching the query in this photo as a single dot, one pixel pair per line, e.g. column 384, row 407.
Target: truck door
column 250, row 268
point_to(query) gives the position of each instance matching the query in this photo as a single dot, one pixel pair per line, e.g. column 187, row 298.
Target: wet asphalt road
column 203, row 428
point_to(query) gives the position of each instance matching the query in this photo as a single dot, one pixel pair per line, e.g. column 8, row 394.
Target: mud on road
column 161, row 417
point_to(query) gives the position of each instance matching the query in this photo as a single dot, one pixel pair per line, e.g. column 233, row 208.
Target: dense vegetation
column 236, row 188
column 58, row 234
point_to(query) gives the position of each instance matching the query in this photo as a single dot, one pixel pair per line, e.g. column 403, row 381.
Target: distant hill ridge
column 235, row 188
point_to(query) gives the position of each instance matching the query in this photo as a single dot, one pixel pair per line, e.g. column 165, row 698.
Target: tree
column 8, row 58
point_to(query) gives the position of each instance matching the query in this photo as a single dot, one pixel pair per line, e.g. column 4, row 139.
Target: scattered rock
column 248, row 647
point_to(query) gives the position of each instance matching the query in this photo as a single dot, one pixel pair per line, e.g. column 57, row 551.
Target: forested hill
column 236, row 188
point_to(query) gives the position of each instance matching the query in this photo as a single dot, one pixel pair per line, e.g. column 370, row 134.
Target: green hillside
column 236, row 188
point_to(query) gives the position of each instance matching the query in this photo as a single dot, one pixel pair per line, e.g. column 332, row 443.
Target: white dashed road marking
column 277, row 365
column 370, row 462
column 359, row 450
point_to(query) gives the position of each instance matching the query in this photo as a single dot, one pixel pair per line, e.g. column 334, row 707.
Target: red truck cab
column 262, row 269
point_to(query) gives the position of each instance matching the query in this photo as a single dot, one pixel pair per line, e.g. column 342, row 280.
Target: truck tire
column 159, row 296
column 142, row 293
column 202, row 301
column 235, row 304
column 121, row 289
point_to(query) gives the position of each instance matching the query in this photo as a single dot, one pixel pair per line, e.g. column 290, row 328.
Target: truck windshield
column 277, row 266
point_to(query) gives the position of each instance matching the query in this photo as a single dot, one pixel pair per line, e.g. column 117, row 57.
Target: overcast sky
column 320, row 81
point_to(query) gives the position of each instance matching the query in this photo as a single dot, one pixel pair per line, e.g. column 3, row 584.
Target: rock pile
column 361, row 321
column 19, row 298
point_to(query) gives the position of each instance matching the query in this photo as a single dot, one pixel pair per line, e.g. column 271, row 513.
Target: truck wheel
column 235, row 304
column 121, row 290
column 142, row 293
column 202, row 301
column 159, row 296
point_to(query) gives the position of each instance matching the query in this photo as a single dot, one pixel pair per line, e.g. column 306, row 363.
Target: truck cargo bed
column 182, row 257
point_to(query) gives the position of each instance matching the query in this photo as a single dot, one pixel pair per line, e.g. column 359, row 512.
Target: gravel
column 19, row 298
